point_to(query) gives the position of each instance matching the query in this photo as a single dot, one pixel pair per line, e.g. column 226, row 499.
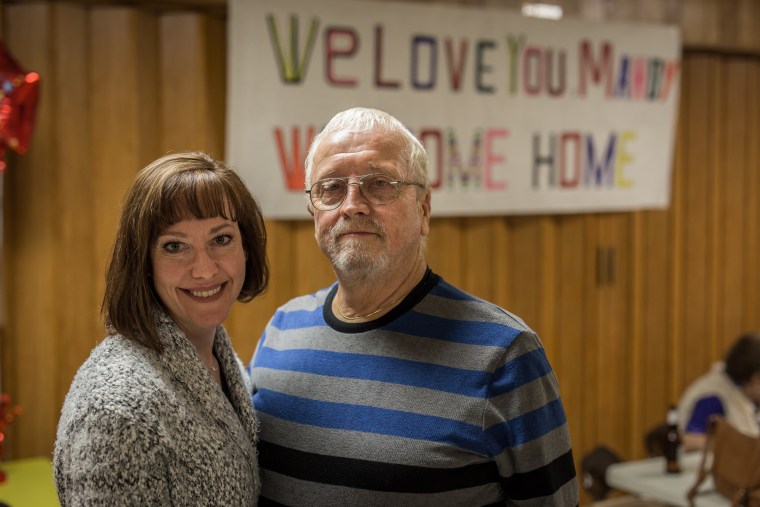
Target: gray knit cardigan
column 142, row 428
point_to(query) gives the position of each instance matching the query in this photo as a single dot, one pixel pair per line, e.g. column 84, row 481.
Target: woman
column 159, row 414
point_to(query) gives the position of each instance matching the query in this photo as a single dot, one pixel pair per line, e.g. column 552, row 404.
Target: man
column 392, row 387
column 730, row 389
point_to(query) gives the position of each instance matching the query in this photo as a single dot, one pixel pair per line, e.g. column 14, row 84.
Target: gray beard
column 354, row 262
column 351, row 259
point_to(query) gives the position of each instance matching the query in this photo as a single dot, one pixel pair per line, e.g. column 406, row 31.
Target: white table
column 647, row 478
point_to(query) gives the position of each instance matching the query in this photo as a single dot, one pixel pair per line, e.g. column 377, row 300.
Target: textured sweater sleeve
column 110, row 447
column 110, row 457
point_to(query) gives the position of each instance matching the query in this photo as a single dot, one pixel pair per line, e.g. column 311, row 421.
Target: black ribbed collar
column 429, row 280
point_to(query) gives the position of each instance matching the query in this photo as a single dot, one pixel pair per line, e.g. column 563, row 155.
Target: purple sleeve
column 703, row 409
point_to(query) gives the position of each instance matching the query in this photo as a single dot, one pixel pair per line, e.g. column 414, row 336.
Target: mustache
column 363, row 223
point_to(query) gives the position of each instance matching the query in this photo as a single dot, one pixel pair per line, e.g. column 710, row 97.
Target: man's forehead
column 360, row 154
column 346, row 168
column 356, row 142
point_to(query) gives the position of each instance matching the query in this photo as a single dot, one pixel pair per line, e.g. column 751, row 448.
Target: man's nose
column 355, row 187
column 354, row 197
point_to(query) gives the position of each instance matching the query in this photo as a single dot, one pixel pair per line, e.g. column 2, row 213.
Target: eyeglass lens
column 377, row 189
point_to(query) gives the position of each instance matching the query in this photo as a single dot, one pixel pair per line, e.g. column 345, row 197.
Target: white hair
column 413, row 158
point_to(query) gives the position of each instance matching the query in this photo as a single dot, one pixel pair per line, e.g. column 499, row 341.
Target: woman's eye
column 223, row 239
column 172, row 246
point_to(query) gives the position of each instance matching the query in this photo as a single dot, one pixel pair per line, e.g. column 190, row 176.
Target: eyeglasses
column 329, row 193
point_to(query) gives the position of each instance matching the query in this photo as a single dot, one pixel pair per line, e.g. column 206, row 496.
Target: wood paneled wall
column 631, row 306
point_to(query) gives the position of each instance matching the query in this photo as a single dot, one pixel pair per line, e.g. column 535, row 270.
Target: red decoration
column 19, row 92
column 7, row 415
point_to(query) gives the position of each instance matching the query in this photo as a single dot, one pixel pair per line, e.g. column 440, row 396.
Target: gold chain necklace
column 357, row 317
column 385, row 307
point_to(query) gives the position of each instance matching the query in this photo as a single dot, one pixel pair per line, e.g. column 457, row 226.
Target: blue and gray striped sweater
column 446, row 400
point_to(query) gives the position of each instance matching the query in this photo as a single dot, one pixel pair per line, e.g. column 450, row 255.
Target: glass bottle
column 672, row 442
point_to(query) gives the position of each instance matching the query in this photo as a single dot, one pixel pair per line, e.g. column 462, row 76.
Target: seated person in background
column 730, row 389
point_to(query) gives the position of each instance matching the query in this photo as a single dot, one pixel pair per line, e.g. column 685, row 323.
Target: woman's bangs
column 200, row 196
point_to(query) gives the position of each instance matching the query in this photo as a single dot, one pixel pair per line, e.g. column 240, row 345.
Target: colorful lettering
column 333, row 50
column 480, row 66
column 456, row 63
column 292, row 167
column 577, row 156
column 624, row 159
column 598, row 70
column 492, row 159
column 417, row 43
column 292, row 68
column 379, row 81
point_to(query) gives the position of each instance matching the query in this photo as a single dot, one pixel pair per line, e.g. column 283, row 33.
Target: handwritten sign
column 518, row 115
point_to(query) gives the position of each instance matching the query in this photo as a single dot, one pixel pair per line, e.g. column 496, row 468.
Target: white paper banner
column 518, row 115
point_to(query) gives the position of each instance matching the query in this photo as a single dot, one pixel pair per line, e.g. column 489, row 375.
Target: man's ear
column 309, row 209
column 425, row 214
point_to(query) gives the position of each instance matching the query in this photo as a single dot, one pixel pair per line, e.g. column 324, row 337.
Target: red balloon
column 19, row 92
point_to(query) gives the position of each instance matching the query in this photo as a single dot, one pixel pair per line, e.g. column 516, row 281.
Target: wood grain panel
column 653, row 343
column 614, row 323
column 31, row 203
column 698, row 202
column 571, row 362
column 548, row 319
column 144, row 82
column 524, row 297
column 192, row 104
column 182, row 79
column 677, row 217
column 445, row 250
column 78, row 310
column 700, row 22
column 715, row 186
column 636, row 331
column 738, row 24
column 591, row 346
column 313, row 271
column 731, row 171
column 751, row 319
column 480, row 250
column 124, row 76
column 503, row 268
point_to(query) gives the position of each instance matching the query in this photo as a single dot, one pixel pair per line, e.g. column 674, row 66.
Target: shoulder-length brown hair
column 171, row 189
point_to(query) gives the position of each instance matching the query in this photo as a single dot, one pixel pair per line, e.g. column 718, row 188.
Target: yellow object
column 28, row 483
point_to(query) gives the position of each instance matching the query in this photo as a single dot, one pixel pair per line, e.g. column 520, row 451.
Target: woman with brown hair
column 160, row 413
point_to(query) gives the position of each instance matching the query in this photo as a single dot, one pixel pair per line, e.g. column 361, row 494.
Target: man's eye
column 331, row 186
column 380, row 182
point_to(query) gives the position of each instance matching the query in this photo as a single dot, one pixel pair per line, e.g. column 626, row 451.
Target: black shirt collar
column 429, row 280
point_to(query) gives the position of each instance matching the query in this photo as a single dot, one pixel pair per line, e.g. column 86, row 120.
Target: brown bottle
column 672, row 442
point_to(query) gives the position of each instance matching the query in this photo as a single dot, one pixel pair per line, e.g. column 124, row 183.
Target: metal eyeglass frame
column 360, row 183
